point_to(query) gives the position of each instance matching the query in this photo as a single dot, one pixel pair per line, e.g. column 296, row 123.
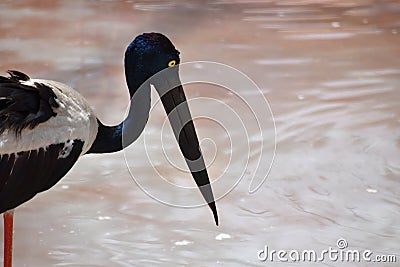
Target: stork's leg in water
column 8, row 237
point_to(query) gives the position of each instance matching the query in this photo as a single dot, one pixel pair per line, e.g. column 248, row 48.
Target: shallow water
column 330, row 71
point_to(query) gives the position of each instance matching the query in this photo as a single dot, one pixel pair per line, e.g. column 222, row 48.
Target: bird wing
column 35, row 113
column 24, row 105
column 26, row 173
column 45, row 127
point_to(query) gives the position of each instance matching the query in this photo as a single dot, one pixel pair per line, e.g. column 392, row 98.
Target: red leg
column 8, row 237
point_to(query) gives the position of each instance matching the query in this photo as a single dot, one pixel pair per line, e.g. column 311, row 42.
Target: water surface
column 330, row 70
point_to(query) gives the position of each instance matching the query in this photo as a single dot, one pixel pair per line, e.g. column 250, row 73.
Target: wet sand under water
column 330, row 71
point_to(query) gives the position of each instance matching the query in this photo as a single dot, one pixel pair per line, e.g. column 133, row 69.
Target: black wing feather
column 27, row 173
column 24, row 106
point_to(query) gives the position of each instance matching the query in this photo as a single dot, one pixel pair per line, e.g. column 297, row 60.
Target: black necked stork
column 45, row 126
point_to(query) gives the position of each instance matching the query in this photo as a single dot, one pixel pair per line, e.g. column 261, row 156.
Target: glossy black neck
column 108, row 139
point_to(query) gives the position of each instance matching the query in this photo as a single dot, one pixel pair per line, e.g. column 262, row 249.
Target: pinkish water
column 331, row 73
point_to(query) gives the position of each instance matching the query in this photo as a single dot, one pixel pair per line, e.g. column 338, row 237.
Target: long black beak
column 175, row 105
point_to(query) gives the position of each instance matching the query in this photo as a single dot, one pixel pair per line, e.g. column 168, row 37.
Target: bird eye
column 171, row 63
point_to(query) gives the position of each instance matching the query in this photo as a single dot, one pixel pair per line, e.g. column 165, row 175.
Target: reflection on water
column 330, row 70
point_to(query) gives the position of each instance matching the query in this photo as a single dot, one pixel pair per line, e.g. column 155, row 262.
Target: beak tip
column 214, row 211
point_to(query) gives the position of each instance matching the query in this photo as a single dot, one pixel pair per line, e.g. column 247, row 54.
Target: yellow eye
column 171, row 63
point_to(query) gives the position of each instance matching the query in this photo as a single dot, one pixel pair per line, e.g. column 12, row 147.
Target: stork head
column 151, row 58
